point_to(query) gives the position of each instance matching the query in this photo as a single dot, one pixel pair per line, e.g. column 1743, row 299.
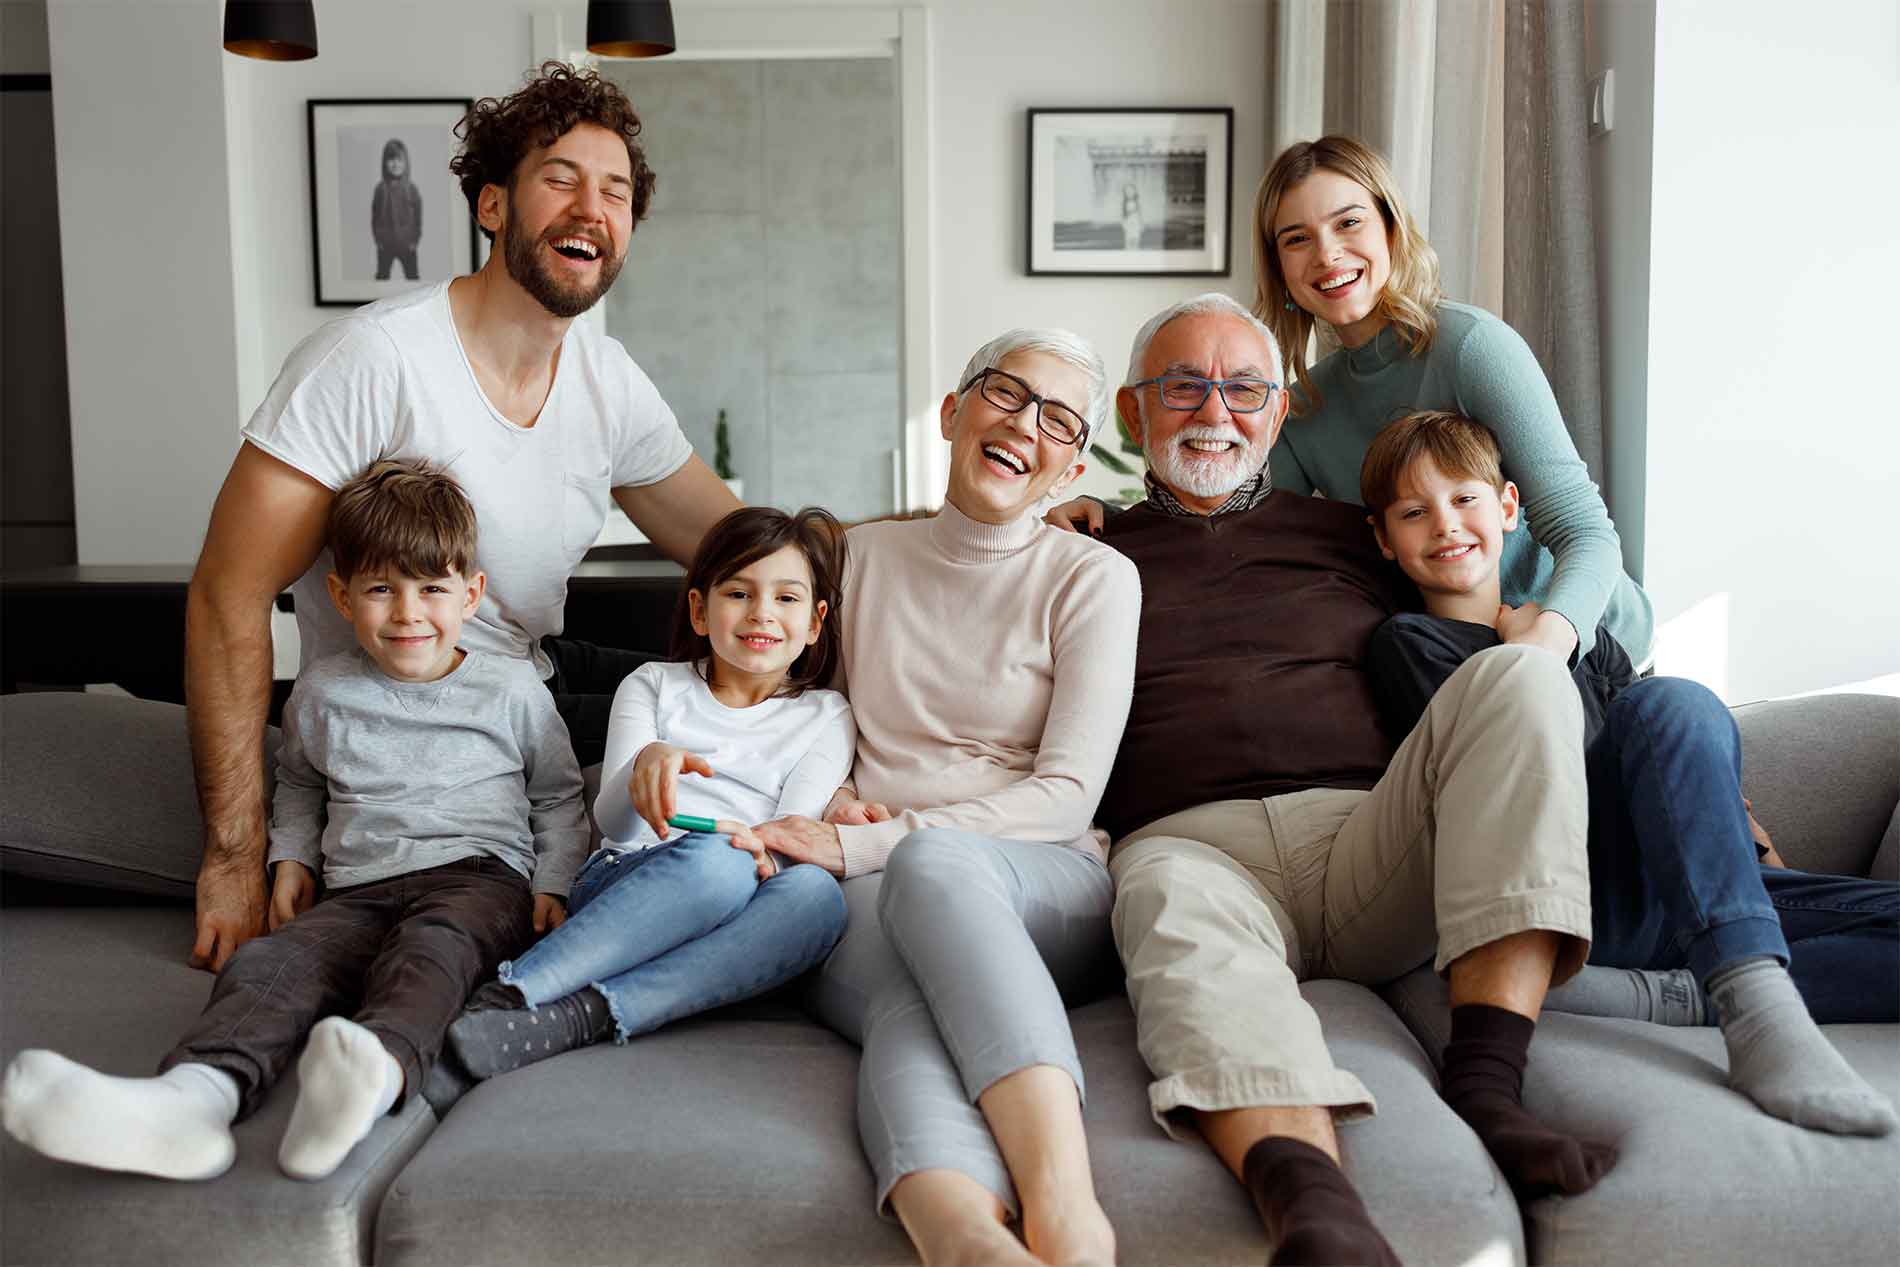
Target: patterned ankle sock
column 497, row 1034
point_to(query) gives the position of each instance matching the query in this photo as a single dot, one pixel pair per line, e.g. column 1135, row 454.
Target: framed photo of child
column 385, row 214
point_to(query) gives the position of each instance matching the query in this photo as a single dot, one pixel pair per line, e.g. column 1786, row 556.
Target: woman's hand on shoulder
column 1078, row 514
column 654, row 784
column 804, row 840
column 1532, row 626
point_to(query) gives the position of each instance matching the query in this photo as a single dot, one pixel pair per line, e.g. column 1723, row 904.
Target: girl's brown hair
column 743, row 538
column 407, row 515
column 1411, row 295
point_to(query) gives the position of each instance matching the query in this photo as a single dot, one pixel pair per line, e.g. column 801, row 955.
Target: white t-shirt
column 392, row 380
column 781, row 756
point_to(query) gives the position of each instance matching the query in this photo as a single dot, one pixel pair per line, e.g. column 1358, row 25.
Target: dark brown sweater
column 1250, row 677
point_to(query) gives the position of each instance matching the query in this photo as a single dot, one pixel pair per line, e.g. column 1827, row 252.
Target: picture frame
column 1118, row 191
column 373, row 232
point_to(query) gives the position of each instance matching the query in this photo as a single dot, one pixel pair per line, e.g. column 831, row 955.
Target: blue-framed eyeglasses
column 1189, row 391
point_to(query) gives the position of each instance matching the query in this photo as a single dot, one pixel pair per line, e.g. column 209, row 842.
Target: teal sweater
column 1570, row 560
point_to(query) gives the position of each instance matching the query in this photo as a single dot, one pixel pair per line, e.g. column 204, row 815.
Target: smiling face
column 1002, row 464
column 1334, row 252
column 408, row 625
column 565, row 219
column 1202, row 455
column 1447, row 531
column 759, row 619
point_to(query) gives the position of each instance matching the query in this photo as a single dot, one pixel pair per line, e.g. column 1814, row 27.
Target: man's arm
column 675, row 512
column 266, row 529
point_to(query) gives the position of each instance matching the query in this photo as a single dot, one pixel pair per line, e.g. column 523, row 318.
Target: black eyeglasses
column 1011, row 395
column 1189, row 391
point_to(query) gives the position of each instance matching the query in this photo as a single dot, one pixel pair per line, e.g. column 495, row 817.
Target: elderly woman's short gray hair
column 1064, row 345
column 1212, row 302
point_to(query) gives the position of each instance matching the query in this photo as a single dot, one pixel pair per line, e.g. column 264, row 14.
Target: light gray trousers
column 950, row 976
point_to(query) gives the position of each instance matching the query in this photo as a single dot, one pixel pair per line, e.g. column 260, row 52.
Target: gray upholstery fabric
column 1824, row 775
column 721, row 1141
column 1715, row 1178
column 1886, row 864
column 137, row 830
column 1704, row 1176
column 110, row 987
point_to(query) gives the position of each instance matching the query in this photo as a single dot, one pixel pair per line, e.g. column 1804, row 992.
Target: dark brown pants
column 398, row 957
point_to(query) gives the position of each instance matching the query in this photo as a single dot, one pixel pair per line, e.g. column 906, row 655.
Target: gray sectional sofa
column 728, row 1139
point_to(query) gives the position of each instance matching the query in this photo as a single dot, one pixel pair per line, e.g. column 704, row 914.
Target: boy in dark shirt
column 1674, row 876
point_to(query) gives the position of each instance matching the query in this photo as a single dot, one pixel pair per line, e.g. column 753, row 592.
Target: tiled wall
column 765, row 279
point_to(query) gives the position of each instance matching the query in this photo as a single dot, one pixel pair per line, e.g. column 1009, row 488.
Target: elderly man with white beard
column 1267, row 830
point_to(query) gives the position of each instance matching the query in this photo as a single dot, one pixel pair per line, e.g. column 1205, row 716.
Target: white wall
column 145, row 249
column 1773, row 453
column 992, row 59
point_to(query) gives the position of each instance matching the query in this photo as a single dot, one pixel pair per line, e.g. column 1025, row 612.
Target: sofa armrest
column 1823, row 772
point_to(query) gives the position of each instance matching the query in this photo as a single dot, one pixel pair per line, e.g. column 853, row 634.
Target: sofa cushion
column 97, row 790
column 1823, row 772
column 720, row 1140
column 1704, row 1176
column 110, row 987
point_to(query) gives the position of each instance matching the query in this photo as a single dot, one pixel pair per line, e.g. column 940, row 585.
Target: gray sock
column 1636, row 994
column 1781, row 1060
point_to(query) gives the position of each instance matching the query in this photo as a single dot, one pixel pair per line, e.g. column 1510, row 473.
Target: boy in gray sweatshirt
column 434, row 787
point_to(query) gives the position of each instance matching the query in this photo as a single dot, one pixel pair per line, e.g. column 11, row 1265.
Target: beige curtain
column 1480, row 106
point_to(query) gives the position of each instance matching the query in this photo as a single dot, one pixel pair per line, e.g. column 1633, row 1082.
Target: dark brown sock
column 1314, row 1217
column 1483, row 1081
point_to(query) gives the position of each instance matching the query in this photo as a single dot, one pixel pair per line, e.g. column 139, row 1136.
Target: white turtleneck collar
column 966, row 540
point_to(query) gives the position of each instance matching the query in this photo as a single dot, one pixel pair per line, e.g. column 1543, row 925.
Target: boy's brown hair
column 407, row 515
column 1458, row 446
column 744, row 537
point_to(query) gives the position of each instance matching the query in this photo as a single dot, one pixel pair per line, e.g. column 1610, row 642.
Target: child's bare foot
column 348, row 1080
column 175, row 1126
column 1078, row 1232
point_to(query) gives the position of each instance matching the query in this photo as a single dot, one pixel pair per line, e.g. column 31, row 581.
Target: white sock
column 1669, row 997
column 348, row 1080
column 175, row 1126
column 1782, row 1061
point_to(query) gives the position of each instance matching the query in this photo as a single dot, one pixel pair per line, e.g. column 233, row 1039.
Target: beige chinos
column 1475, row 832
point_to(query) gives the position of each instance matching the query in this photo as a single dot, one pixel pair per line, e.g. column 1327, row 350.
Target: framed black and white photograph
column 385, row 214
column 1130, row 191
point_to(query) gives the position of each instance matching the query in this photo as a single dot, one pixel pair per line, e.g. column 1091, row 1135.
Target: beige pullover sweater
column 989, row 670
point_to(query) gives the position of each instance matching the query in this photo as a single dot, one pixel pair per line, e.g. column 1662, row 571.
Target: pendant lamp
column 271, row 30
column 630, row 28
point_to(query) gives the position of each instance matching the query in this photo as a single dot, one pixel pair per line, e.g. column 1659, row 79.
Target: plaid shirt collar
column 1246, row 497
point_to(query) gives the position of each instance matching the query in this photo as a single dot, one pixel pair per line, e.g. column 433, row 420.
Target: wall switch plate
column 1602, row 102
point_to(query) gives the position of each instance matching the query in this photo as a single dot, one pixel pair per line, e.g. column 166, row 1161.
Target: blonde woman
column 1337, row 245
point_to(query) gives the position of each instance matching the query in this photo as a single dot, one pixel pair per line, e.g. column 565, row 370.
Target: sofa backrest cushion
column 97, row 790
column 1823, row 772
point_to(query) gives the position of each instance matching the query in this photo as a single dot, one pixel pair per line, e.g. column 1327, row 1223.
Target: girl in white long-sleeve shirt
column 664, row 923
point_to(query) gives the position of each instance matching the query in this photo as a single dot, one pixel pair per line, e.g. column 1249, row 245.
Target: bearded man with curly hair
column 540, row 419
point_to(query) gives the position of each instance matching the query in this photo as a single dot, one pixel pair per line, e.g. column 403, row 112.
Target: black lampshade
column 630, row 28
column 271, row 30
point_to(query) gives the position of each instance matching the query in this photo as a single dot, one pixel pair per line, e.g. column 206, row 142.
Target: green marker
column 692, row 822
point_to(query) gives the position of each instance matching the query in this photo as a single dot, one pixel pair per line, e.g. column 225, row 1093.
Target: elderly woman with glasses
column 990, row 661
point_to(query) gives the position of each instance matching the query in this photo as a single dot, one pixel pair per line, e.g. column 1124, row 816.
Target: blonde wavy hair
column 1411, row 295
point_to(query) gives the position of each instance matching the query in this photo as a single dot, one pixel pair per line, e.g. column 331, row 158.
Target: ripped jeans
column 679, row 928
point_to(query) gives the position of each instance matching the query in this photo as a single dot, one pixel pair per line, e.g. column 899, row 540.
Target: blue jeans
column 1674, row 877
column 680, row 928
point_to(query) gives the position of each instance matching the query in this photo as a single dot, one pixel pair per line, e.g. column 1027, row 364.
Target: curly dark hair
column 497, row 132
